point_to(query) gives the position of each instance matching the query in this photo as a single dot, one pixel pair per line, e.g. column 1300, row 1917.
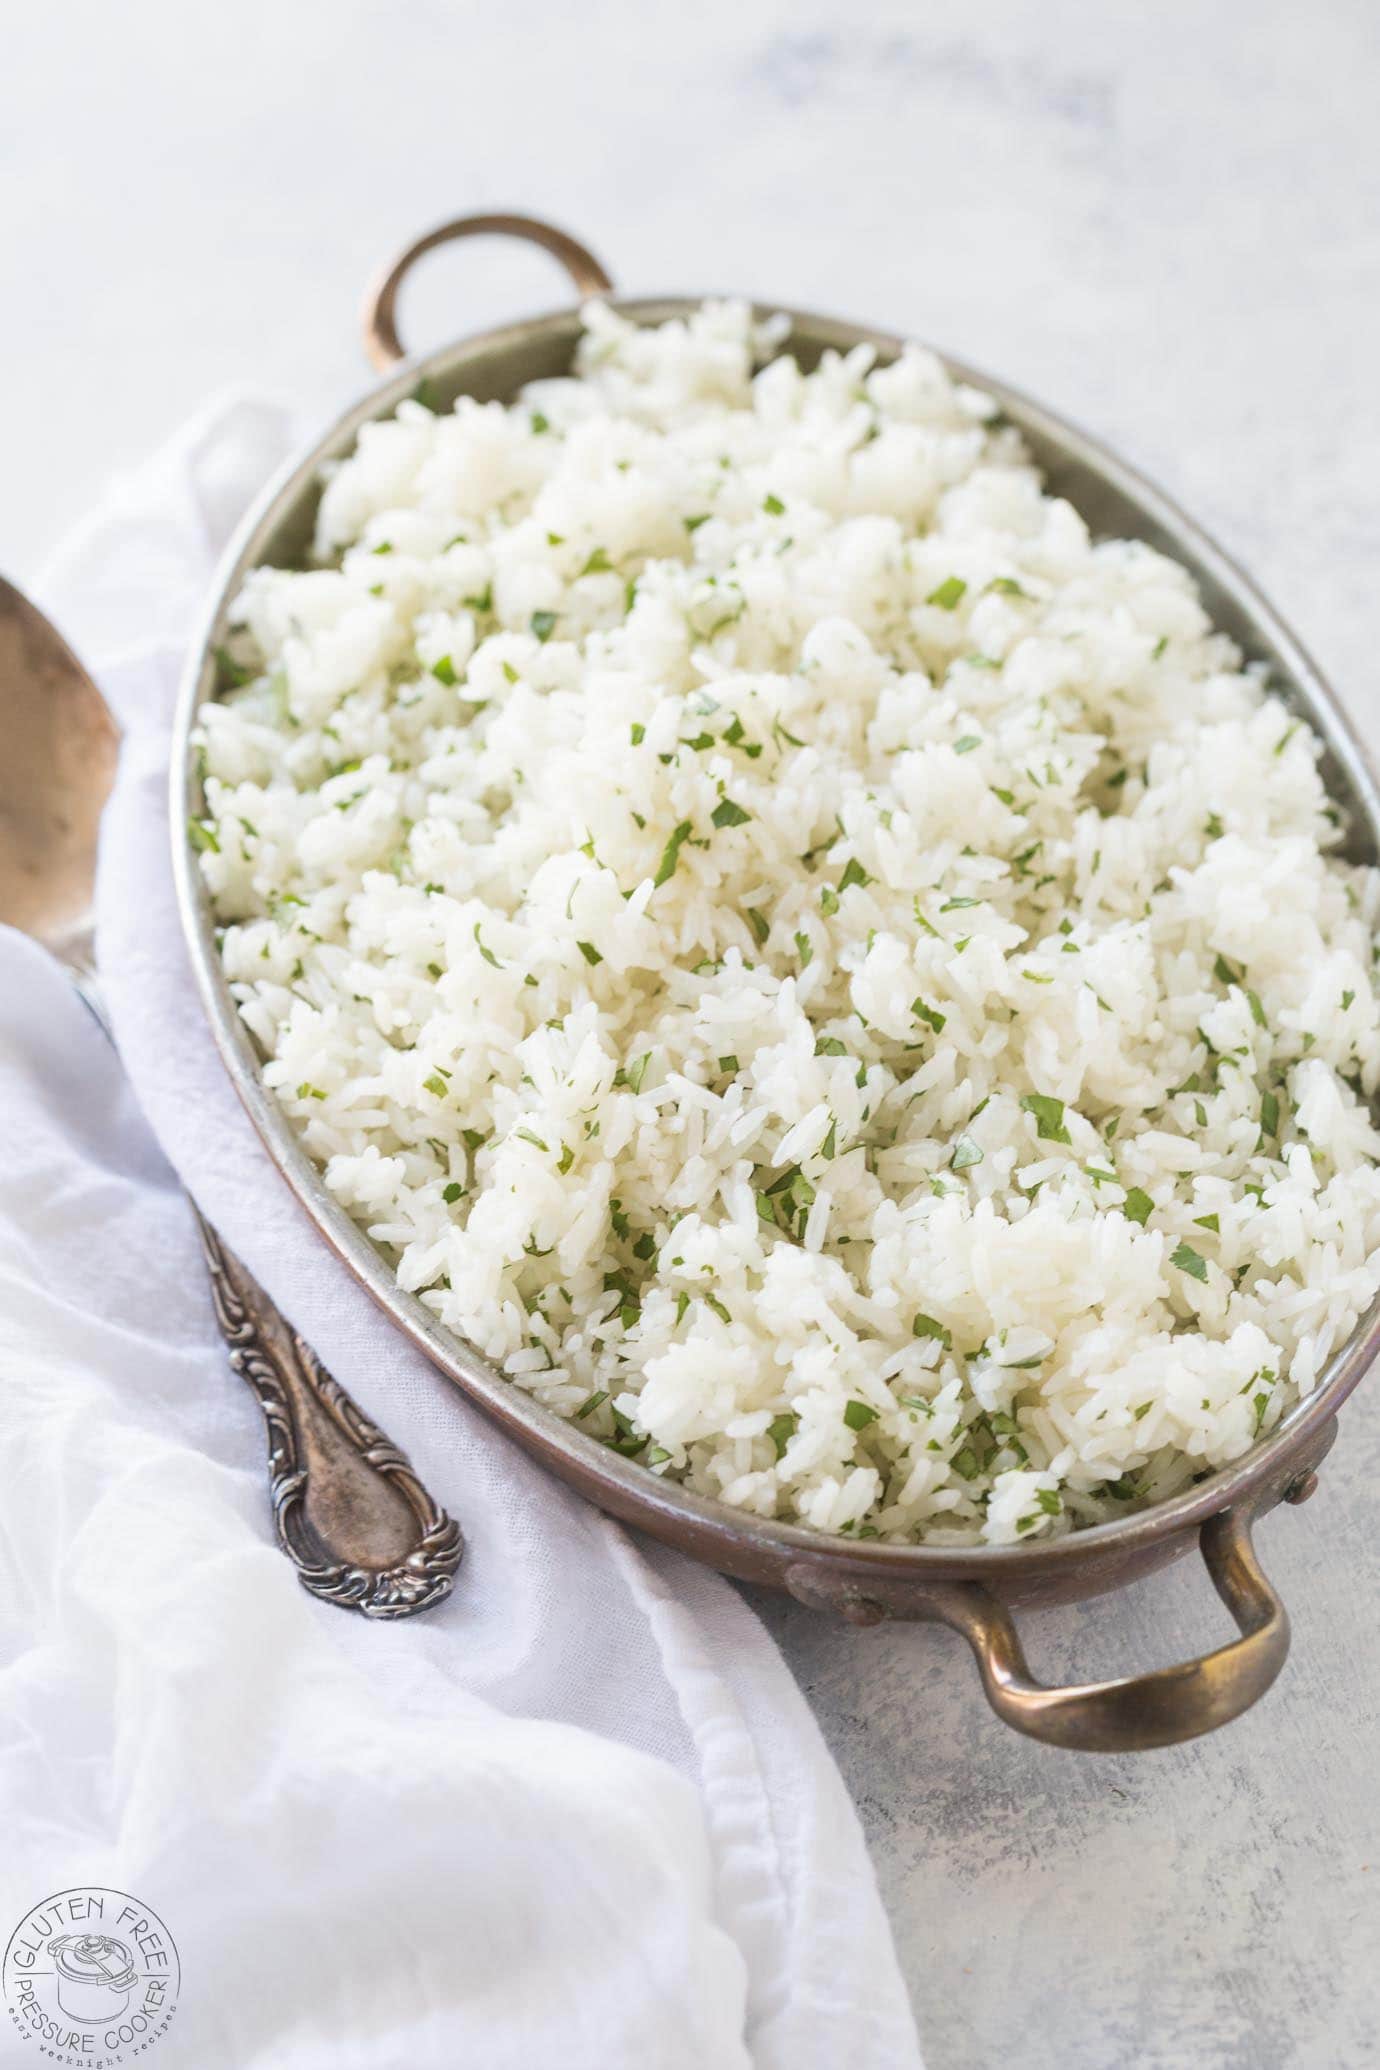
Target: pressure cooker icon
column 95, row 1975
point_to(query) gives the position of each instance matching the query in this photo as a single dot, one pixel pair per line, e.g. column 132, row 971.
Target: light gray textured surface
column 1165, row 222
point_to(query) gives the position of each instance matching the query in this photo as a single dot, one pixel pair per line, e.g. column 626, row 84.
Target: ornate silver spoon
column 351, row 1514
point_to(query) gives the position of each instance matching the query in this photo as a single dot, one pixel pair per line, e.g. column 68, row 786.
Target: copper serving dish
column 974, row 1590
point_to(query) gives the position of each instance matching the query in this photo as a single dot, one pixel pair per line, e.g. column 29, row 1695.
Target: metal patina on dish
column 965, row 1586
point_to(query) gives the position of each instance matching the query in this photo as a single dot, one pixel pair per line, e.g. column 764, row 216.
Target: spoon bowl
column 58, row 766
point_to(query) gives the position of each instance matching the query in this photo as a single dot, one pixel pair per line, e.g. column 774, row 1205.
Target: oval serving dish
column 972, row 1589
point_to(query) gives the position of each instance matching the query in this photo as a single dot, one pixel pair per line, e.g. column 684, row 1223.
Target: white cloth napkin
column 580, row 1813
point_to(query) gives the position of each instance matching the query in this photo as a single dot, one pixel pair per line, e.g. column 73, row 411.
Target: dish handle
column 381, row 341
column 1133, row 1712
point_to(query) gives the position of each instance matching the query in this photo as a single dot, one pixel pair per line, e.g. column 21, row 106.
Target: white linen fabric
column 578, row 1813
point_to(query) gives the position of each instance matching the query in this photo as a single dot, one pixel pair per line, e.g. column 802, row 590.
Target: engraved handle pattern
column 350, row 1512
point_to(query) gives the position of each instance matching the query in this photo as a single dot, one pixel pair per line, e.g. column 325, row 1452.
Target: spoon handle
column 351, row 1514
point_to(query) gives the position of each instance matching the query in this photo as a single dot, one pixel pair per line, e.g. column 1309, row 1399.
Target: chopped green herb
column 1257, row 1010
column 540, row 424
column 637, row 733
column 967, row 744
column 830, row 1046
column 487, row 954
column 692, row 524
column 727, row 814
column 589, row 952
column 591, row 1403
column 1189, row 1261
column 760, row 924
column 314, row 1092
column 806, row 950
column 854, row 873
column 926, row 1326
column 773, row 506
column 451, row 1193
column 1006, row 586
column 949, row 594
column 637, row 1071
column 928, row 1014
column 857, row 1415
column 434, row 1083
column 543, row 624
column 670, row 854
column 954, row 905
column 1137, row 1206
column 528, row 1137
column 1269, row 1113
column 483, row 602
column 1208, row 1222
column 598, row 563
column 1049, row 1117
column 828, row 898
column 203, row 837
column 966, row 1154
column 781, row 1430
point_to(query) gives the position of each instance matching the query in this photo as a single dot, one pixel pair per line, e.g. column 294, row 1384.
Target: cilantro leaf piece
column 670, row 854
column 727, row 814
column 781, row 1430
column 1049, row 1117
column 926, row 1326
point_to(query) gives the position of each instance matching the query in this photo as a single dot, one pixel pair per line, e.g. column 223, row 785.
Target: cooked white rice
column 822, row 972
